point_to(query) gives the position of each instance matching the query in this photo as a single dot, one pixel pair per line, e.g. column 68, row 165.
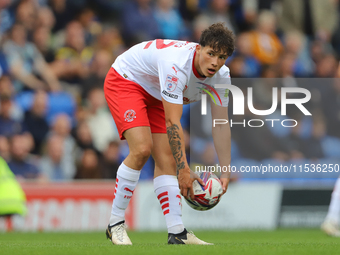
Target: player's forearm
column 177, row 145
column 222, row 141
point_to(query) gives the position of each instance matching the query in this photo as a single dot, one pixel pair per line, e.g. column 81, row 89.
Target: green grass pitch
column 283, row 241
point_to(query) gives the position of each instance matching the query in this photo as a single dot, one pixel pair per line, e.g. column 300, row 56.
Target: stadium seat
column 60, row 102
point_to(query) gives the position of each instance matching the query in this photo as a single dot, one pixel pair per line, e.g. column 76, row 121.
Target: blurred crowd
column 54, row 55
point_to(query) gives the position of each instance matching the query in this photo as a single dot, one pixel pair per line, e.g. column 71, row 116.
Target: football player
column 145, row 90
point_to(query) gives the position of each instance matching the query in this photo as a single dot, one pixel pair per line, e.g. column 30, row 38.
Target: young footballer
column 145, row 90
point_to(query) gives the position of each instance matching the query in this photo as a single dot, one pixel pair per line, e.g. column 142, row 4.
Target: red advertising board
column 75, row 206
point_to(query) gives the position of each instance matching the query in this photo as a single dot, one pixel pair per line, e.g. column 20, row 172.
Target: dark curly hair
column 218, row 37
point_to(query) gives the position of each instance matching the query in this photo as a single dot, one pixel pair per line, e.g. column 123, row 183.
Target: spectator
column 314, row 18
column 251, row 66
column 7, row 89
column 26, row 15
column 73, row 59
column 238, row 67
column 110, row 40
column 296, row 44
column 45, row 18
column 63, row 11
column 24, row 59
column 318, row 50
column 6, row 18
column 4, row 70
column 312, row 146
column 5, row 148
column 286, row 66
column 219, row 12
column 169, row 21
column 62, row 126
column 8, row 126
column 83, row 136
column 101, row 124
column 92, row 28
column 263, row 88
column 110, row 160
column 138, row 22
column 53, row 163
column 330, row 104
column 35, row 120
column 42, row 40
column 88, row 166
column 99, row 67
column 266, row 46
column 200, row 23
column 189, row 10
column 21, row 164
column 326, row 67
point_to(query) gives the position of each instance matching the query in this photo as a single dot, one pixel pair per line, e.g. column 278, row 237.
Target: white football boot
column 117, row 234
column 330, row 228
column 185, row 238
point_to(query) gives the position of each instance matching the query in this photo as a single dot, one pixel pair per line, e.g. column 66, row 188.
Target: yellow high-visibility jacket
column 12, row 197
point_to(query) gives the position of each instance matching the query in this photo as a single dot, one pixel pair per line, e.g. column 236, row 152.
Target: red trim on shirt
column 195, row 70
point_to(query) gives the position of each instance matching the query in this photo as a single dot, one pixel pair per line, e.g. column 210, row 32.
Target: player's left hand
column 225, row 183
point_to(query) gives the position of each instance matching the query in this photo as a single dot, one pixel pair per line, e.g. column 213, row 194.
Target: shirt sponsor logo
column 169, row 95
column 171, row 83
column 129, row 115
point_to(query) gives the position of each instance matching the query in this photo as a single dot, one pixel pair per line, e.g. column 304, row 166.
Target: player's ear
column 198, row 48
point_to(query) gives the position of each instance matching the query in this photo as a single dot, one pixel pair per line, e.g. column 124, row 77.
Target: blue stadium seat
column 61, row 102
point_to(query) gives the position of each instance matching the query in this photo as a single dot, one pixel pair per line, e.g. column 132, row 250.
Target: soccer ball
column 208, row 196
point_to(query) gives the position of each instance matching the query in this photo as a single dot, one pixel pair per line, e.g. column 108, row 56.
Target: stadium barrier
column 86, row 206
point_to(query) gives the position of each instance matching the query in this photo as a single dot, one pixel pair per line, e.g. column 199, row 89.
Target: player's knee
column 143, row 152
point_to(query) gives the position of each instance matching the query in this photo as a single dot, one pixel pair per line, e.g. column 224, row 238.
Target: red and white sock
column 126, row 183
column 168, row 194
column 334, row 207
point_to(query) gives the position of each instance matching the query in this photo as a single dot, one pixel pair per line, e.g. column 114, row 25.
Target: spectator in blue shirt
column 8, row 126
column 21, row 164
column 138, row 22
column 169, row 21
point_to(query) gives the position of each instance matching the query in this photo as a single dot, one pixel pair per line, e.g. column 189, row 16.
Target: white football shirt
column 164, row 68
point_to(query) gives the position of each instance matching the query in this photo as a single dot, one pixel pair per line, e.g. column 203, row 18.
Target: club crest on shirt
column 171, row 83
column 129, row 115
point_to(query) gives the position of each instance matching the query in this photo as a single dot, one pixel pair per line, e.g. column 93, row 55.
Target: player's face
column 209, row 61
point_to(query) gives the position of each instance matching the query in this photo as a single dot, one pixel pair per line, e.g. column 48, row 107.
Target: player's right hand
column 185, row 179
